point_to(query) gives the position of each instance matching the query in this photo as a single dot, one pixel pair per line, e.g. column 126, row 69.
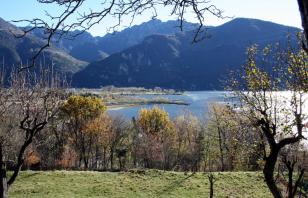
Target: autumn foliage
column 156, row 131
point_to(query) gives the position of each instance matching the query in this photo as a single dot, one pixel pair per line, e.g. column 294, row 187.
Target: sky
column 279, row 11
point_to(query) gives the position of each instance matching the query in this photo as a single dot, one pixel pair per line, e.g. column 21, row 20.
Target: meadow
column 137, row 183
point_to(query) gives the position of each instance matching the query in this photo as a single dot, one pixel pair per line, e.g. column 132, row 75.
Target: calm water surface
column 198, row 101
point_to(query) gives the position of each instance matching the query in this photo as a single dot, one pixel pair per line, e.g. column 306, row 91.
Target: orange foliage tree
column 78, row 111
column 157, row 135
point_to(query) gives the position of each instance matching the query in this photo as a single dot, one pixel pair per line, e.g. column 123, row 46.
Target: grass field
column 151, row 183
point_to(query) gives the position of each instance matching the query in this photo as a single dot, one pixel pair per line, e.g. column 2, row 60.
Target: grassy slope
column 149, row 184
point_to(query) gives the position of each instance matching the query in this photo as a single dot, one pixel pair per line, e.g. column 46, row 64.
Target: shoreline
column 114, row 107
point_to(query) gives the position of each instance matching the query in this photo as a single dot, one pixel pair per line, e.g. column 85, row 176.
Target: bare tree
column 212, row 180
column 189, row 142
column 4, row 135
column 291, row 161
column 33, row 106
column 221, row 135
column 119, row 134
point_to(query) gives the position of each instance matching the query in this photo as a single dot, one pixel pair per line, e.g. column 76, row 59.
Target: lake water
column 198, row 101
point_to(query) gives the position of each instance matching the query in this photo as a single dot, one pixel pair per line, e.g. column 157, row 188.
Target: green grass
column 151, row 183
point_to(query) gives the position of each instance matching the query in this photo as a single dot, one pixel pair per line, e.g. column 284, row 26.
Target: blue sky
column 278, row 11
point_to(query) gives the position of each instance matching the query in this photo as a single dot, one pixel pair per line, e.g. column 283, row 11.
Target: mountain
column 174, row 62
column 80, row 45
column 14, row 51
column 88, row 48
column 118, row 41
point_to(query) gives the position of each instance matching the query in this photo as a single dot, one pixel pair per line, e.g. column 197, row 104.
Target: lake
column 198, row 101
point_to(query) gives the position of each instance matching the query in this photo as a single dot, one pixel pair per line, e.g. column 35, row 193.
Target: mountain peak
column 240, row 21
column 6, row 26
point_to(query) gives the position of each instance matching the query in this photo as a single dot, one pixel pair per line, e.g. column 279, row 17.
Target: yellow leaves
column 297, row 70
column 154, row 121
column 256, row 78
column 285, row 68
column 86, row 118
column 83, row 107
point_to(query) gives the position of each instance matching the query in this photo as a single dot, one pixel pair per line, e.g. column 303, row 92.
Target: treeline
column 83, row 136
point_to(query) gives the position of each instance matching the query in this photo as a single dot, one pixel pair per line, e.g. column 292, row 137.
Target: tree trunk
column 3, row 180
column 84, row 155
column 268, row 172
column 80, row 161
column 219, row 131
column 85, row 161
column 111, row 157
column 3, row 184
column 104, row 159
column 298, row 181
column 211, row 180
column 290, row 182
column 120, row 163
column 96, row 157
column 135, row 157
column 221, row 150
column 303, row 8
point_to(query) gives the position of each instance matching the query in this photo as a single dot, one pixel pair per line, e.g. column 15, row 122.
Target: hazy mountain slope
column 143, row 62
column 118, row 41
column 174, row 62
column 14, row 50
column 88, row 48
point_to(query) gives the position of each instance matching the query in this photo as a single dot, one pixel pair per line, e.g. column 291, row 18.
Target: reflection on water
column 198, row 103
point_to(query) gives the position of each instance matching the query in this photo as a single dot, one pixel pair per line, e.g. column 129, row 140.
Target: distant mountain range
column 172, row 61
column 14, row 51
column 151, row 54
column 88, row 48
